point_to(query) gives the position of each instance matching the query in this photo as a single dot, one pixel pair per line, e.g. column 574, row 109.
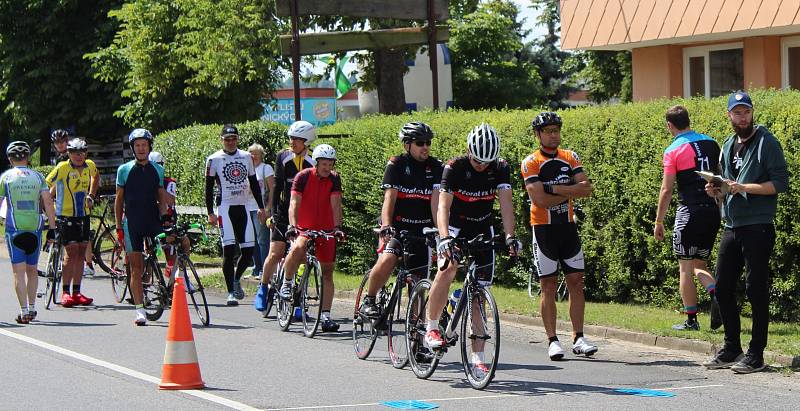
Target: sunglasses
column 480, row 163
column 77, row 151
column 419, row 143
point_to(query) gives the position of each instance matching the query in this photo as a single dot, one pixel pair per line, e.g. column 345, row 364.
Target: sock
column 31, row 306
column 476, row 357
column 577, row 335
column 692, row 318
column 76, row 288
column 326, row 315
column 23, row 310
column 551, row 339
column 432, row 325
column 712, row 289
column 65, row 289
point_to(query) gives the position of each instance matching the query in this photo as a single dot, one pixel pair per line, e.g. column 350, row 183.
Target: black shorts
column 418, row 261
column 278, row 231
column 135, row 235
column 695, row 231
column 484, row 259
column 556, row 245
column 74, row 229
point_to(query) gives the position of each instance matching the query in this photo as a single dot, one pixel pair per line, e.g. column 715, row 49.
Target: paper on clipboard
column 718, row 181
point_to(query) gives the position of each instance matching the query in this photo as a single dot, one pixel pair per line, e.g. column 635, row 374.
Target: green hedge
column 621, row 148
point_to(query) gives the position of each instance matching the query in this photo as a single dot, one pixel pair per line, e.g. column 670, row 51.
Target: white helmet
column 323, row 151
column 156, row 157
column 76, row 144
column 483, row 143
column 303, row 129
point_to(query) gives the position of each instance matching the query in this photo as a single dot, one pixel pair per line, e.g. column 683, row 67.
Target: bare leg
column 547, row 305
column 577, row 301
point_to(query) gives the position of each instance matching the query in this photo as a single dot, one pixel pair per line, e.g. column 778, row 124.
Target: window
column 790, row 62
column 712, row 71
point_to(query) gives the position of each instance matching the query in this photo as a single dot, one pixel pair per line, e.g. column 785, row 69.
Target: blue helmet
column 140, row 133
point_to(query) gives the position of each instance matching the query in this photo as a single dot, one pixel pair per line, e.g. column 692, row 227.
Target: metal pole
column 432, row 51
column 295, row 59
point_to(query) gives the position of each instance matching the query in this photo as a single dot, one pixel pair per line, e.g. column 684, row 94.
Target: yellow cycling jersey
column 72, row 187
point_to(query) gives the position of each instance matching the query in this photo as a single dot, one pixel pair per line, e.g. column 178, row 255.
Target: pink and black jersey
column 690, row 152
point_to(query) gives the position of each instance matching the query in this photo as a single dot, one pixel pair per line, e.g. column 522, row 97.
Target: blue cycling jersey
column 141, row 184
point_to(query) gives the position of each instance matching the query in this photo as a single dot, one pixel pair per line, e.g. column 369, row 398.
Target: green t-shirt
column 22, row 188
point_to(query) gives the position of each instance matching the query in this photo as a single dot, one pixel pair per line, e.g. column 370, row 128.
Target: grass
column 783, row 337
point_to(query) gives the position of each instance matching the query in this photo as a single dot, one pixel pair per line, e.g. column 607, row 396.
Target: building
column 692, row 47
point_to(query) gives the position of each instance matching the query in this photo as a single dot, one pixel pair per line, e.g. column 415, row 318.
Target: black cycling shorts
column 484, row 259
column 418, row 262
column 556, row 245
column 278, row 231
column 695, row 232
column 74, row 229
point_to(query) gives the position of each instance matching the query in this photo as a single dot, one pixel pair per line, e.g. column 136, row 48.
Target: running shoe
column 555, row 351
column 286, row 290
column 238, row 292
column 232, row 301
column 329, row 325
column 67, row 301
column 433, row 339
column 369, row 308
column 724, row 359
column 88, row 270
column 716, row 314
column 80, row 299
column 749, row 364
column 582, row 346
column 141, row 317
column 479, row 370
column 260, row 302
column 687, row 326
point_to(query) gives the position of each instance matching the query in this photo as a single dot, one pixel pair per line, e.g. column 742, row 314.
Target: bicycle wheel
column 312, row 289
column 195, row 289
column 154, row 289
column 107, row 251
column 364, row 334
column 480, row 342
column 54, row 266
column 423, row 361
column 398, row 352
column 284, row 306
column 272, row 294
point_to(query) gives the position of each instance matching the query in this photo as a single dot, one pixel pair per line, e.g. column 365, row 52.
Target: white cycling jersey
column 231, row 172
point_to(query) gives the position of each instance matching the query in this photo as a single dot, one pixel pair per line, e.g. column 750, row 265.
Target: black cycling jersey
column 474, row 192
column 285, row 170
column 414, row 181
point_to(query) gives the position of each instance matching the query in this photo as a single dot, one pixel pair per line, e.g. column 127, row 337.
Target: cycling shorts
column 554, row 245
column 325, row 248
column 418, row 262
column 484, row 259
column 695, row 232
column 74, row 229
column 237, row 227
column 278, row 231
column 134, row 237
column 23, row 246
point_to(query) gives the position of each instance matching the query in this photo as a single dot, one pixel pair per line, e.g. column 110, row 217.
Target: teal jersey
column 22, row 188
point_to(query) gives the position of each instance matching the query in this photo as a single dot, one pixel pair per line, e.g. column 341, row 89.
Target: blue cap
column 739, row 98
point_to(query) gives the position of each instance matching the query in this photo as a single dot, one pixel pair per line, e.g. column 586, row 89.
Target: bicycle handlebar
column 181, row 230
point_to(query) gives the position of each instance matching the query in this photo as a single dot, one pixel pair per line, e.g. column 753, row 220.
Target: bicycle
column 307, row 290
column 53, row 271
column 194, row 287
column 107, row 251
column 154, row 288
column 475, row 307
column 389, row 300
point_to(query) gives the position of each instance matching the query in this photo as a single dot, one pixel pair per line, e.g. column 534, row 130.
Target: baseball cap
column 738, row 98
column 229, row 130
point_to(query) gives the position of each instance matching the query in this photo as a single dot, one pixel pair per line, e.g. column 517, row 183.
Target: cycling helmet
column 324, row 151
column 544, row 119
column 483, row 143
column 303, row 129
column 416, row 130
column 77, row 144
column 156, row 157
column 140, row 133
column 18, row 150
column 58, row 134
column 229, row 130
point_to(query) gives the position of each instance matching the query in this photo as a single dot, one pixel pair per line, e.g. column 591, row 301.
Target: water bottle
column 298, row 313
column 454, row 297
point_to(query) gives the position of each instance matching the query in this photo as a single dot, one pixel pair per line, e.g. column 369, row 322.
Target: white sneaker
column 141, row 317
column 583, row 346
column 87, row 270
column 555, row 351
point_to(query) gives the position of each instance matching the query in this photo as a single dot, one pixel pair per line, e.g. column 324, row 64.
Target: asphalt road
column 94, row 357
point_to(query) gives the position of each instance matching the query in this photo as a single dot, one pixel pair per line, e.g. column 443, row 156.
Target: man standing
column 754, row 169
column 59, row 138
column 554, row 177
column 697, row 216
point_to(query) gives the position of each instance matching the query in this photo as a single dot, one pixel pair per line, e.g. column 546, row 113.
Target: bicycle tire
column 272, row 294
column 54, row 267
column 106, row 250
column 364, row 334
column 194, row 287
column 398, row 352
column 154, row 290
column 312, row 289
column 423, row 362
column 472, row 338
column 284, row 312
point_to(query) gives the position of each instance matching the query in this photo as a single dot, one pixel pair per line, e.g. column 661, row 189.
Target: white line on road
column 124, row 370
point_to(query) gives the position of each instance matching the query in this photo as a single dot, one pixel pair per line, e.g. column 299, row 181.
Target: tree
column 556, row 67
column 488, row 71
column 608, row 75
column 177, row 62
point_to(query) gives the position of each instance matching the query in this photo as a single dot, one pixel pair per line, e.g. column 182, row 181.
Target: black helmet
column 58, row 134
column 413, row 131
column 18, row 150
column 544, row 119
column 229, row 130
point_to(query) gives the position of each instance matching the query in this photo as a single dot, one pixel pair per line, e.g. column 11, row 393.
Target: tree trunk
column 390, row 66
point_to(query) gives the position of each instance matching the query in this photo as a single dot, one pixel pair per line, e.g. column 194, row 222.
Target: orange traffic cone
column 181, row 370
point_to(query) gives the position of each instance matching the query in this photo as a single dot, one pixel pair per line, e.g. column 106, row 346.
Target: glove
column 339, row 234
column 166, row 221
column 387, row 231
column 514, row 245
column 445, row 246
column 291, row 233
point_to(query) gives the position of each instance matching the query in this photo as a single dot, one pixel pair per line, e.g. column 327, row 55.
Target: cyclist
column 470, row 184
column 171, row 188
column 553, row 178
column 59, row 138
column 411, row 195
column 316, row 205
column 232, row 169
column 75, row 183
column 266, row 181
column 25, row 191
column 288, row 163
column 140, row 187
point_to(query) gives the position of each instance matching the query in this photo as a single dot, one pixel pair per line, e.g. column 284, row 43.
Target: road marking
column 124, row 370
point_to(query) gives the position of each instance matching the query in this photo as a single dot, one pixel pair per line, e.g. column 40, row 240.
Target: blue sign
column 317, row 111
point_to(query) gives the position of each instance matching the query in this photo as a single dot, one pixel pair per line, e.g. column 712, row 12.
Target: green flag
column 342, row 82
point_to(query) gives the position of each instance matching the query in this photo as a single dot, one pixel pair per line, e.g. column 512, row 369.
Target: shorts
column 74, row 229
column 554, row 245
column 278, row 231
column 134, row 237
column 237, row 227
column 695, row 232
column 418, row 259
column 484, row 259
column 23, row 246
column 325, row 248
